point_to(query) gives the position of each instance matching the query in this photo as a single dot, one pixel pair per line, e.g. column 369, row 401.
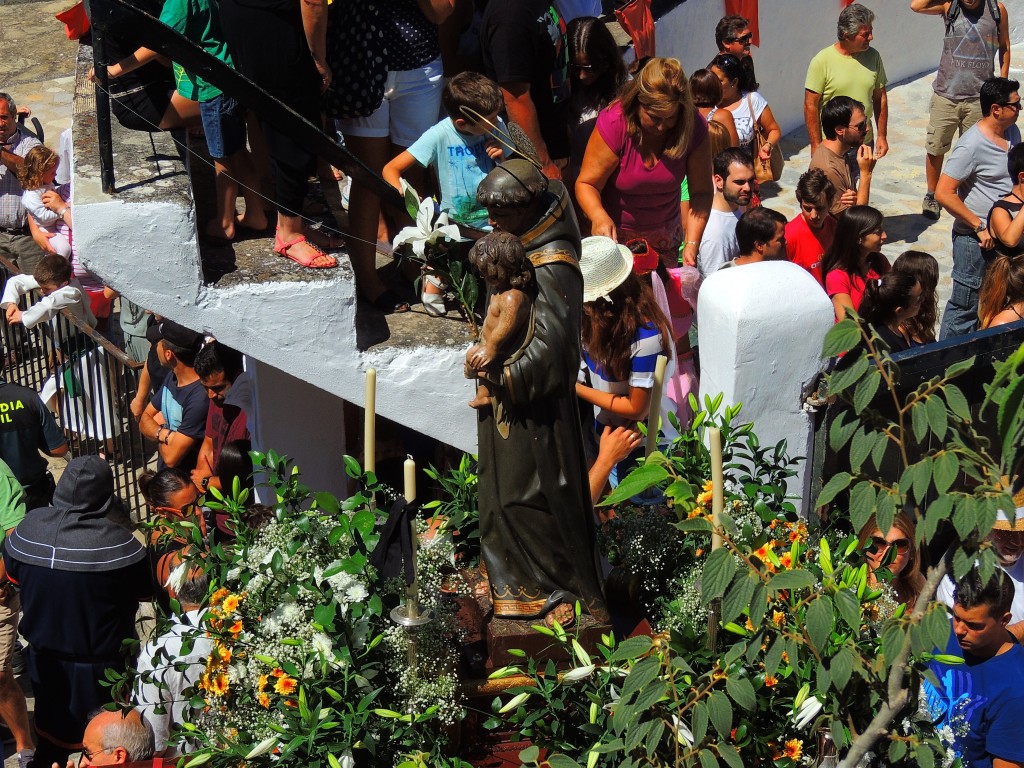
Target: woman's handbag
column 764, row 170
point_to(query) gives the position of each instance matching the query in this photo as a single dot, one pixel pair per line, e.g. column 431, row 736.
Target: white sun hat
column 605, row 265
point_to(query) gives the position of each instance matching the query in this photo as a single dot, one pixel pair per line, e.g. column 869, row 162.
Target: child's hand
column 13, row 313
column 494, row 150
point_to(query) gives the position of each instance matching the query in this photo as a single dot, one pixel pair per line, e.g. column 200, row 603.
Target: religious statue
column 537, row 526
column 501, row 261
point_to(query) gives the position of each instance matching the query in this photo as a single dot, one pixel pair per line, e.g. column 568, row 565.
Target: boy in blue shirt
column 462, row 152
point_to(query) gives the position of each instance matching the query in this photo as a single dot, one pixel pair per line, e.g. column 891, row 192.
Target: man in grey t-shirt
column 734, row 180
column 975, row 177
column 975, row 31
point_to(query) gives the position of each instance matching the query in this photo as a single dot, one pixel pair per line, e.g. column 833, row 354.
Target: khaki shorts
column 948, row 118
column 10, row 608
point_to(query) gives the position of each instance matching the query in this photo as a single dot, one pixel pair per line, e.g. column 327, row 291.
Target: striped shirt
column 12, row 212
column 644, row 355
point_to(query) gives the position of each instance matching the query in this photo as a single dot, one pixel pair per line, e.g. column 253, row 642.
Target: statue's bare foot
column 480, row 402
column 563, row 613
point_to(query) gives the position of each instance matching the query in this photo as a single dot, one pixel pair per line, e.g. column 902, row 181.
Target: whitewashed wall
column 762, row 352
column 792, row 31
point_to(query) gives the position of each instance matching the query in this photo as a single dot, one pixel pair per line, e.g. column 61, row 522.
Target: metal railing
column 88, row 383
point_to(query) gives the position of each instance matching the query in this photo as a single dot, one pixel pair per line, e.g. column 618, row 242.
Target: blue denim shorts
column 224, row 126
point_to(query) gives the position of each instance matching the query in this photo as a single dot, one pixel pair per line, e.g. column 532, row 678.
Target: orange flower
column 264, row 700
column 219, row 595
column 770, row 680
column 785, row 656
column 223, row 653
column 704, row 498
column 761, row 553
column 772, row 525
column 794, row 536
column 749, row 625
column 261, row 683
column 236, row 628
column 291, row 703
column 699, row 553
column 708, row 485
column 786, row 559
column 778, row 617
column 286, row 685
column 231, row 602
column 219, row 685
column 793, row 749
column 277, row 672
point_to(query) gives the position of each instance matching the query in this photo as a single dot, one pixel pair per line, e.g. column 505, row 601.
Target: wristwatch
column 204, row 484
column 980, row 228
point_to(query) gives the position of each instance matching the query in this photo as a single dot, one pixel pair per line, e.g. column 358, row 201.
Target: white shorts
column 412, row 99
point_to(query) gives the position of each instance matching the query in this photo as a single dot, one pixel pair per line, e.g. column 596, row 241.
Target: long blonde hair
column 661, row 85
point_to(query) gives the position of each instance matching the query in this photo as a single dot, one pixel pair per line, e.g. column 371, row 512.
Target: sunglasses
column 882, row 545
column 745, row 40
column 583, row 67
column 859, row 126
column 1015, row 105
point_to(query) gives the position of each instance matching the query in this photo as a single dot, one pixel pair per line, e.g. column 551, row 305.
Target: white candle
column 410, row 480
column 717, row 485
column 654, row 417
column 370, row 422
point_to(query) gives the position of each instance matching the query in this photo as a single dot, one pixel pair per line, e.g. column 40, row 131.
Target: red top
column 840, row 281
column 806, row 246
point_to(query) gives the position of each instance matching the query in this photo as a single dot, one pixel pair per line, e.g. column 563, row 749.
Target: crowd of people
column 667, row 174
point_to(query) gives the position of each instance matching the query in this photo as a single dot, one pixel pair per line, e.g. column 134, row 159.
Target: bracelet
column 62, row 211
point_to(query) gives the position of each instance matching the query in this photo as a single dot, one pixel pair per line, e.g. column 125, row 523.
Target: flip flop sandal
column 282, row 248
column 433, row 303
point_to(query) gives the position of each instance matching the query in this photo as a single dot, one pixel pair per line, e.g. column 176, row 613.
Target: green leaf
column 790, row 580
column 820, row 618
column 919, row 419
column 631, row 648
column 862, row 504
column 937, row 627
column 720, row 712
column 925, row 756
column 562, row 761
column 945, row 468
column 860, row 447
column 741, row 691
column 838, row 483
column 841, row 668
column 957, row 402
column 866, row 389
column 718, row 572
column 878, row 452
column 897, row 751
column 885, row 506
column 841, row 337
column 849, row 608
column 922, row 479
column 938, row 420
column 529, row 755
column 639, row 480
column 640, row 677
column 728, row 753
column 738, row 596
column 758, row 604
column 844, row 378
column 699, row 725
column 960, row 366
column 708, row 759
column 841, row 431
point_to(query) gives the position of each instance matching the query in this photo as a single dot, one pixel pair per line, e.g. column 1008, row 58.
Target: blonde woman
column 644, row 144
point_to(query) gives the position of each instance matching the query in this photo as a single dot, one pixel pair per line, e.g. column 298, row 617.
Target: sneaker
column 930, row 208
column 25, row 757
column 18, row 658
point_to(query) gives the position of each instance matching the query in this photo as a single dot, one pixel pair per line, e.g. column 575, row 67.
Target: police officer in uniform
column 26, row 428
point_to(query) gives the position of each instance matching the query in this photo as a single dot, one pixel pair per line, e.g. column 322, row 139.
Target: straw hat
column 605, row 265
column 1003, row 522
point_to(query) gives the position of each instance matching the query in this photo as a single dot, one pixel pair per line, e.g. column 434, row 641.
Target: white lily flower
column 579, row 673
column 683, row 733
column 346, row 760
column 809, row 710
column 262, row 748
column 427, row 231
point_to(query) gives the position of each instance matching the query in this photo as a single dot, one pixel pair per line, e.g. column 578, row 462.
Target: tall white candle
column 410, row 479
column 717, row 484
column 654, row 417
column 370, row 422
column 413, row 609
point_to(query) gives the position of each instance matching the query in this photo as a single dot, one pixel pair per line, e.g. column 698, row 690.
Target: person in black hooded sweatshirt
column 81, row 577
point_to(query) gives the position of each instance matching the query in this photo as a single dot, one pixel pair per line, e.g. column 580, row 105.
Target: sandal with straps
column 282, row 248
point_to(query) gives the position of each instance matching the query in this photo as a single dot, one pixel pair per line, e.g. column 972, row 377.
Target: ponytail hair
column 882, row 297
column 1003, row 285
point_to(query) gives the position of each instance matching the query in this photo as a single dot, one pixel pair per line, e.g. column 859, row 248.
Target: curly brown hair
column 610, row 325
column 38, row 161
column 501, row 260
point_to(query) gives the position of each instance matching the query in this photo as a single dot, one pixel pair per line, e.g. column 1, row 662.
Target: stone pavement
column 899, row 182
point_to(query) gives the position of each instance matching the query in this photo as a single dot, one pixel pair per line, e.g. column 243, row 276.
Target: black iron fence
column 88, row 384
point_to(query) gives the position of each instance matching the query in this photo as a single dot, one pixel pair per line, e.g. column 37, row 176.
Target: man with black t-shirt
column 176, row 417
column 525, row 52
column 26, row 428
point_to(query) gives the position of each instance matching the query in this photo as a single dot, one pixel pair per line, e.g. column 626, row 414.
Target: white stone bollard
column 760, row 328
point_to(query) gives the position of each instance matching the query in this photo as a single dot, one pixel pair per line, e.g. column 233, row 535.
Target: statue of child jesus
column 502, row 262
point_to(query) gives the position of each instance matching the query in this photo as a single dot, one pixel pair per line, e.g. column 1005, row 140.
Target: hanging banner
column 748, row 10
